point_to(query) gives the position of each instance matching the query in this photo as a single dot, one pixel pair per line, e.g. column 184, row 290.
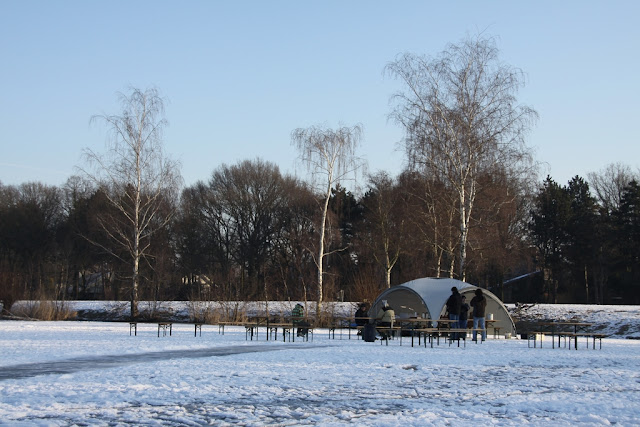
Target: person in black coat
column 479, row 304
column 361, row 316
column 453, row 308
column 464, row 313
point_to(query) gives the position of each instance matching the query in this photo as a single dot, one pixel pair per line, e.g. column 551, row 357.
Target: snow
column 95, row 373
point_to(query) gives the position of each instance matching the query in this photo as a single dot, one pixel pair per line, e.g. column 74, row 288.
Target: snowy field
column 95, row 373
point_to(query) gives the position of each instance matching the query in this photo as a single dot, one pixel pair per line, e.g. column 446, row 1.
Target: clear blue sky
column 240, row 76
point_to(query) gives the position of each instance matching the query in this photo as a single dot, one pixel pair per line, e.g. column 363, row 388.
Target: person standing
column 479, row 304
column 453, row 308
column 464, row 313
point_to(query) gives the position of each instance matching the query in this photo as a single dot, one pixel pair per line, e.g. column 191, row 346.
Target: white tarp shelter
column 427, row 298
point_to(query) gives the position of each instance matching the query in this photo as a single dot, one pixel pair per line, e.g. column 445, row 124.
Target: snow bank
column 622, row 321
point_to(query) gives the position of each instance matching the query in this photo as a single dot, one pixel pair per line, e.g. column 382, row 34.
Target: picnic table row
column 251, row 327
column 429, row 330
column 563, row 333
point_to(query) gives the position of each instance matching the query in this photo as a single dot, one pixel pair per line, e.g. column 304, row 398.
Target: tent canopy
column 427, row 298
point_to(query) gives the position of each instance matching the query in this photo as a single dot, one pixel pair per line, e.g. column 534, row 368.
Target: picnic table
column 251, row 327
column 433, row 329
column 162, row 326
column 349, row 323
column 272, row 325
column 287, row 327
column 564, row 330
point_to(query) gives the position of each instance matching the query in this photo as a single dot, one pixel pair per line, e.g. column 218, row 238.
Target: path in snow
column 68, row 366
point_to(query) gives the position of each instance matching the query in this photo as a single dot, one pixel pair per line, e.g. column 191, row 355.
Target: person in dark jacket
column 479, row 304
column 453, row 308
column 361, row 316
column 464, row 313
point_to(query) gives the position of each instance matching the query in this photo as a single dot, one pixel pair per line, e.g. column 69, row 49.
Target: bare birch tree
column 330, row 156
column 461, row 118
column 137, row 178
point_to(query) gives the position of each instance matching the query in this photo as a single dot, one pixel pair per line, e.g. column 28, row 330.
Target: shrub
column 44, row 310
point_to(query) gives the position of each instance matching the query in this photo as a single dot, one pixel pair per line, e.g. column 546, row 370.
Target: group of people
column 458, row 310
column 385, row 318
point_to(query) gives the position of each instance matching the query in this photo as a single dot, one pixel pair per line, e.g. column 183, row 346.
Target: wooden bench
column 164, row 327
column 539, row 336
column 535, row 337
column 303, row 331
column 272, row 329
column 496, row 331
column 565, row 330
column 250, row 329
column 593, row 335
column 387, row 332
column 456, row 334
column 340, row 324
column 221, row 326
column 567, row 336
column 331, row 329
column 430, row 334
column 562, row 338
column 461, row 333
column 433, row 335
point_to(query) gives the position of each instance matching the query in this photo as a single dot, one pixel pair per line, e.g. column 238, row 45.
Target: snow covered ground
column 95, row 373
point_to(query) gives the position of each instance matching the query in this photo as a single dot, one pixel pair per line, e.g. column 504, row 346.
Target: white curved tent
column 427, row 298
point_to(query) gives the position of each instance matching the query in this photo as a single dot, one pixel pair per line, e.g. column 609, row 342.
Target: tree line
column 250, row 233
column 586, row 237
column 467, row 206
